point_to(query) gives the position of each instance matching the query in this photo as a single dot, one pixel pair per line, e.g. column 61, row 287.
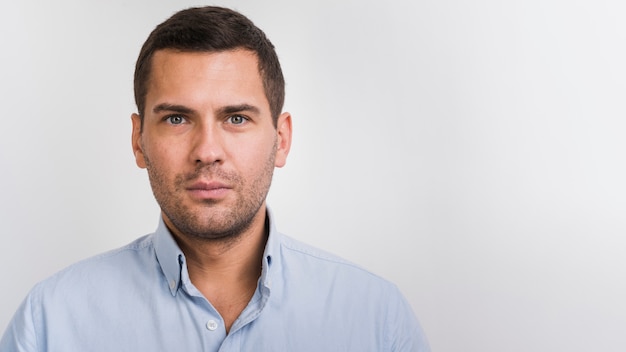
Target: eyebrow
column 172, row 108
column 231, row 109
column 226, row 110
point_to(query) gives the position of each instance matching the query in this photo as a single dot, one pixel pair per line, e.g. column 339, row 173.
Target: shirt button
column 211, row 325
column 172, row 284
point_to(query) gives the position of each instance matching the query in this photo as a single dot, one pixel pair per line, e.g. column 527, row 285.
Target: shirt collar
column 271, row 255
column 171, row 258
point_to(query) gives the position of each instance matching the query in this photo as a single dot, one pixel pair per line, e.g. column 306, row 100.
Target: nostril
column 201, row 163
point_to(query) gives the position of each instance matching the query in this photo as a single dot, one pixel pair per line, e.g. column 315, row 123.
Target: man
column 216, row 275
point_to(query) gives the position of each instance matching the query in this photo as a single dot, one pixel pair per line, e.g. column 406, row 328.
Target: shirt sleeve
column 20, row 335
column 404, row 331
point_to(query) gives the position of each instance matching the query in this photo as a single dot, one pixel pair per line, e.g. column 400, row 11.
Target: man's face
column 208, row 141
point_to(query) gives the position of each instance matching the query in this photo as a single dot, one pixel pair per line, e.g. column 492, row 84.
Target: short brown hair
column 212, row 29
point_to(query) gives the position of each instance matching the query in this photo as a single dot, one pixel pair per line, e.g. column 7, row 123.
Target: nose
column 207, row 145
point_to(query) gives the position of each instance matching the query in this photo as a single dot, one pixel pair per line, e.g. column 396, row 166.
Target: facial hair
column 210, row 220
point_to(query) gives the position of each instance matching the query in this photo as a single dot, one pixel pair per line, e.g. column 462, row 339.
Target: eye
column 175, row 119
column 237, row 119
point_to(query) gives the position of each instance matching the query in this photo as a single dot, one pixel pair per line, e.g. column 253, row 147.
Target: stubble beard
column 211, row 221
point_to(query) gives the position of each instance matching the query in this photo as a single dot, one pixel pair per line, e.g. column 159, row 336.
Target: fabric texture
column 139, row 298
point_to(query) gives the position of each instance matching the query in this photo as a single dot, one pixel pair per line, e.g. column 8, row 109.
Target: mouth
column 203, row 190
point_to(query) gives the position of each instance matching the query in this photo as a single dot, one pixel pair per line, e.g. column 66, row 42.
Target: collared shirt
column 140, row 298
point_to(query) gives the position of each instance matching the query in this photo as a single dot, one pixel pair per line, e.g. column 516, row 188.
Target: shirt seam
column 328, row 258
column 138, row 245
column 32, row 319
column 388, row 338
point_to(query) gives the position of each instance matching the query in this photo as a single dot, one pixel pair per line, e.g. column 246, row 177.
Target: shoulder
column 315, row 263
column 100, row 268
column 139, row 247
column 349, row 296
column 292, row 246
column 77, row 293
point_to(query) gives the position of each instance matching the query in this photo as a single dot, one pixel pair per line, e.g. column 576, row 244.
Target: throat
column 228, row 279
column 230, row 307
column 228, row 296
column 227, row 274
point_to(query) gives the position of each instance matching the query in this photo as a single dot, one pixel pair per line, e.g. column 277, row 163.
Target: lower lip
column 209, row 193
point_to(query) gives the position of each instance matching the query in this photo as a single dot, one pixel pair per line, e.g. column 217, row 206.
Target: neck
column 226, row 272
column 229, row 259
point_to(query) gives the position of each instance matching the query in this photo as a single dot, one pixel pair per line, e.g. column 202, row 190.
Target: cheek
column 253, row 158
column 255, row 150
column 161, row 157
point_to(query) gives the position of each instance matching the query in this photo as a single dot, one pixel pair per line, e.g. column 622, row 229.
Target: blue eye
column 175, row 119
column 237, row 119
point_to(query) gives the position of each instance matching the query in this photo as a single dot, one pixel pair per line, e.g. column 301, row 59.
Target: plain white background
column 472, row 152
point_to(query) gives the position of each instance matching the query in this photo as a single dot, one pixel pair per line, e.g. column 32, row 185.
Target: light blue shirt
column 139, row 298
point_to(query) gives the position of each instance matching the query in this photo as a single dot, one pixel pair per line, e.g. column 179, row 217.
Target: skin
column 210, row 147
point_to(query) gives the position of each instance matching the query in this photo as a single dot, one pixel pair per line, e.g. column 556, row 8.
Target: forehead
column 195, row 76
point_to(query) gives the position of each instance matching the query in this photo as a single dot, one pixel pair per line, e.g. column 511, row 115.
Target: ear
column 283, row 130
column 136, row 141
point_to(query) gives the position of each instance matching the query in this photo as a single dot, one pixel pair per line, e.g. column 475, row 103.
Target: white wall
column 473, row 152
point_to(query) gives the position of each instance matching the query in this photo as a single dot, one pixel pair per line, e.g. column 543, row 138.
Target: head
column 209, row 129
column 211, row 29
